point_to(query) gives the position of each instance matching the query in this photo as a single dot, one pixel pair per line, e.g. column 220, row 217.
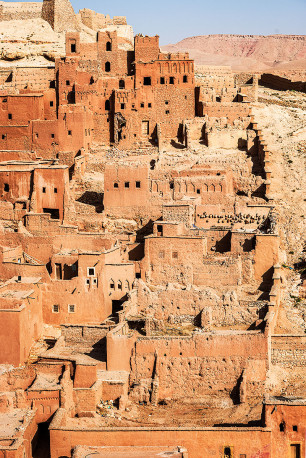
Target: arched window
column 107, row 105
column 126, row 284
column 108, row 46
column 120, row 284
column 121, row 84
column 107, row 66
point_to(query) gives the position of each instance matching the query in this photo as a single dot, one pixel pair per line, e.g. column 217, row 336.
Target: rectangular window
column 73, row 47
column 69, row 132
column 6, row 187
column 44, row 190
column 71, row 308
column 149, row 105
column 127, row 184
column 122, row 106
column 51, row 103
column 174, row 254
column 55, row 308
column 3, row 136
column 162, row 80
column 171, row 80
column 185, row 79
column 55, row 190
column 91, row 271
column 159, row 229
column 10, row 115
column 52, row 135
column 142, row 105
column 116, row 185
column 167, row 111
column 138, row 184
column 67, row 83
column 87, row 282
column 147, row 81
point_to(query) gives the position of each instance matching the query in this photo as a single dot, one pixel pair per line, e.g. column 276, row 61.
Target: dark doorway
column 54, row 212
column 295, row 451
column 41, row 442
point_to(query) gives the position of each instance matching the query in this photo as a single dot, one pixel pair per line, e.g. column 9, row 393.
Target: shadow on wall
column 93, row 198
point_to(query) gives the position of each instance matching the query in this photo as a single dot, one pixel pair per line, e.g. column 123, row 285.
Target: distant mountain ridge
column 246, row 52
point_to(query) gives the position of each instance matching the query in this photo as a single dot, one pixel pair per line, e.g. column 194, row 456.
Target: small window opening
column 55, row 308
column 127, row 184
column 142, row 105
column 51, row 103
column 171, row 185
column 91, row 81
column 107, row 105
column 159, row 229
column 166, row 102
column 122, row 106
column 52, row 135
column 67, row 83
column 55, row 190
column 73, row 47
column 167, row 111
column 90, row 271
column 108, row 46
column 185, row 79
column 44, row 190
column 116, row 185
column 121, row 84
column 171, row 80
column 71, row 308
column 138, row 184
column 69, row 132
column 52, row 84
column 107, row 66
column 6, row 187
column 149, row 105
column 138, row 275
column 282, row 426
column 162, row 80
column 3, row 136
column 10, row 115
column 294, row 428
column 174, row 255
column 147, row 81
column 198, row 191
column 119, row 285
column 112, row 285
column 228, row 452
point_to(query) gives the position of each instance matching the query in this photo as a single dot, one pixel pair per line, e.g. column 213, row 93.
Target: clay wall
column 15, row 185
column 288, row 350
column 231, row 111
column 16, row 11
column 173, row 259
column 21, row 325
column 288, row 425
column 51, row 190
column 21, row 109
column 211, row 441
column 281, row 84
column 198, row 360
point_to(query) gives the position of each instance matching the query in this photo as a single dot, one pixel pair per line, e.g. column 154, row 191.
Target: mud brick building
column 143, row 278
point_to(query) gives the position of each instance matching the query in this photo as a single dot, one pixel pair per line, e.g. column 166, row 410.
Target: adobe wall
column 17, row 11
column 288, row 350
column 281, row 84
column 198, row 441
column 209, row 364
column 289, row 416
column 231, row 111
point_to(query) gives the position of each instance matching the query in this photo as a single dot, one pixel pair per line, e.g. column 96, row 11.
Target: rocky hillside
column 246, row 52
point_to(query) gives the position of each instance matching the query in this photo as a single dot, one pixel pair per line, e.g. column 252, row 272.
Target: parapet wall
column 281, row 84
column 10, row 11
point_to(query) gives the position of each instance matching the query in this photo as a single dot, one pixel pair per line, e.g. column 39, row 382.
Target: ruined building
column 142, row 265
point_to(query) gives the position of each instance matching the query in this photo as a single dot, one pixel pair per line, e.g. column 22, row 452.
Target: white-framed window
column 55, row 308
column 71, row 308
column 95, row 281
column 91, row 271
